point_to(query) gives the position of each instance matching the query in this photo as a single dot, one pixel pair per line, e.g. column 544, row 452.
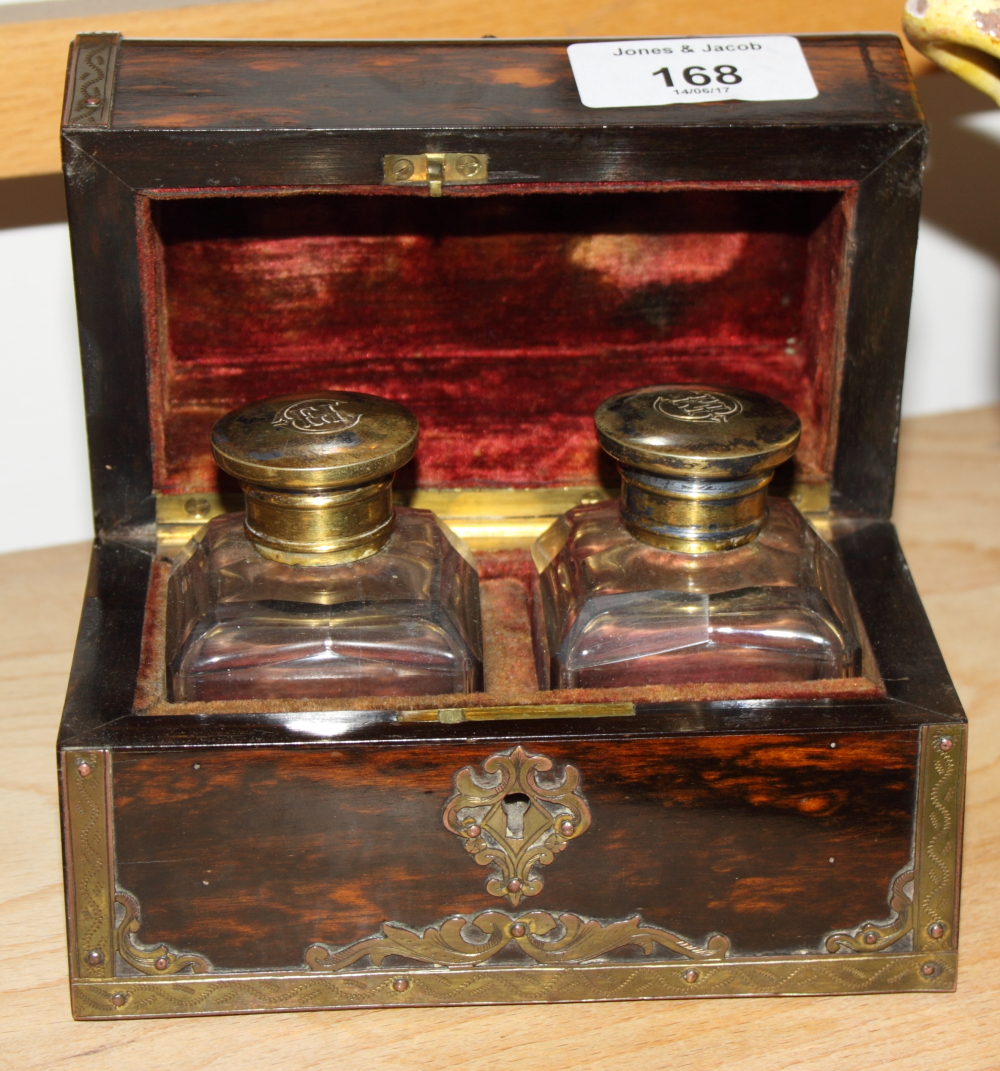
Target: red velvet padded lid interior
column 501, row 318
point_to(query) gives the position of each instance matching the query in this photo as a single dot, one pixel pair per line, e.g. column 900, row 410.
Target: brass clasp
column 436, row 169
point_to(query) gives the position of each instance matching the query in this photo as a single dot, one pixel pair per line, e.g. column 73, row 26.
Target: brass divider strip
column 530, row 711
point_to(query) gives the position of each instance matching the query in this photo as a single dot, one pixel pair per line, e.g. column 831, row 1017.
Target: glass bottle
column 695, row 575
column 322, row 589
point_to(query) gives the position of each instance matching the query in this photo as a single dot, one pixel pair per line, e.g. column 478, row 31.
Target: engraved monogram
column 703, row 405
column 316, row 415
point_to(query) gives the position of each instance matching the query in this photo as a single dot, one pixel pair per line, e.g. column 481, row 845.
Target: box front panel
column 249, row 857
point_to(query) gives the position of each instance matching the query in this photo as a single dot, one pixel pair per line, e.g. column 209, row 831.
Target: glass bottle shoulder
column 596, row 553
column 404, row 621
column 408, row 567
column 623, row 612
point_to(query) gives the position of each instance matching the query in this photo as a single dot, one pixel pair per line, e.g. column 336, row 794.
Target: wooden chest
column 242, row 226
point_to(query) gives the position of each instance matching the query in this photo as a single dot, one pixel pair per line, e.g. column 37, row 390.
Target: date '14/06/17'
column 725, row 74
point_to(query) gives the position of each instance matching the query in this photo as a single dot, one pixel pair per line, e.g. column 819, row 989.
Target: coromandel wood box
column 446, row 225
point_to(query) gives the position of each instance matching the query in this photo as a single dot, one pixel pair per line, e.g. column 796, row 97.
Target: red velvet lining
column 502, row 321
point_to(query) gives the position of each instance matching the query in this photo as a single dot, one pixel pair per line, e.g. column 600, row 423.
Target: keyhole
column 515, row 804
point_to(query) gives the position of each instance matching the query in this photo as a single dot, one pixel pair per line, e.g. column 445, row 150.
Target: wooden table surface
column 948, row 511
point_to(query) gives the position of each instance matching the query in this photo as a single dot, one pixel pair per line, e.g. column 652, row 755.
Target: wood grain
column 697, row 834
column 33, row 54
column 948, row 509
column 246, row 85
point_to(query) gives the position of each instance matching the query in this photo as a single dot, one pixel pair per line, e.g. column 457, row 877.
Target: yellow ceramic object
column 963, row 36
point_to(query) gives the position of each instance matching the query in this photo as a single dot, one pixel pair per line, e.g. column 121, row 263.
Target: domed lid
column 326, row 439
column 694, row 430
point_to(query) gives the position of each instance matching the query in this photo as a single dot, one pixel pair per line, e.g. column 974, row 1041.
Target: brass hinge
column 436, row 169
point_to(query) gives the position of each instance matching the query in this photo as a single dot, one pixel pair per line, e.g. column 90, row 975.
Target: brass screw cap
column 696, row 461
column 316, row 472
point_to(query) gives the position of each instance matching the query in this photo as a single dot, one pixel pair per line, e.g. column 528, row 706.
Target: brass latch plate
column 435, row 169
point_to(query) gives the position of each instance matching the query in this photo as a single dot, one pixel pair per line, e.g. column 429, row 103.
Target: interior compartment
column 510, row 607
column 501, row 318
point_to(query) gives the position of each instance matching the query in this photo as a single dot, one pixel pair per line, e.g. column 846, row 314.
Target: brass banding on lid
column 696, row 461
column 316, row 472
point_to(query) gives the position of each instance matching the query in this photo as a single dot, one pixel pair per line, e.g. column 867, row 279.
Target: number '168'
column 725, row 73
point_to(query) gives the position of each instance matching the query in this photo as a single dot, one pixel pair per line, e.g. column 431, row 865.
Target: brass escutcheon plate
column 511, row 821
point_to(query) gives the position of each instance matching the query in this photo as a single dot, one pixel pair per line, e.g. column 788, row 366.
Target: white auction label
column 687, row 70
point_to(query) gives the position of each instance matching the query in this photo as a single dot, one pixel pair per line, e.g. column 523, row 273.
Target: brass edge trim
column 940, row 797
column 811, row 497
column 815, row 975
column 89, row 864
column 530, row 711
column 470, row 504
column 195, row 509
column 91, row 79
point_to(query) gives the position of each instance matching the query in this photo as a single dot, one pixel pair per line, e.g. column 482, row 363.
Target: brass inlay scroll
column 546, row 938
column 150, row 959
column 90, row 87
column 507, row 819
column 873, row 936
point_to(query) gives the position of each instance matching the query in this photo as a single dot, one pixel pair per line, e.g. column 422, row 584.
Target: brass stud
column 567, row 829
column 473, row 830
column 935, row 930
column 197, row 507
column 93, row 102
column 690, row 976
column 119, row 999
column 467, row 166
column 83, row 768
column 401, row 984
column 162, row 963
column 518, row 929
column 402, row 169
column 871, row 938
column 946, row 743
column 95, row 957
column 928, row 970
column 513, row 885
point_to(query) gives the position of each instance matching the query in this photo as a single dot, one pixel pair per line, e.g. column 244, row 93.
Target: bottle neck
column 690, row 515
column 319, row 527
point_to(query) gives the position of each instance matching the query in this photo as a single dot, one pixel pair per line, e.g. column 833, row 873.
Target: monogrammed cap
column 698, row 431
column 324, row 440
